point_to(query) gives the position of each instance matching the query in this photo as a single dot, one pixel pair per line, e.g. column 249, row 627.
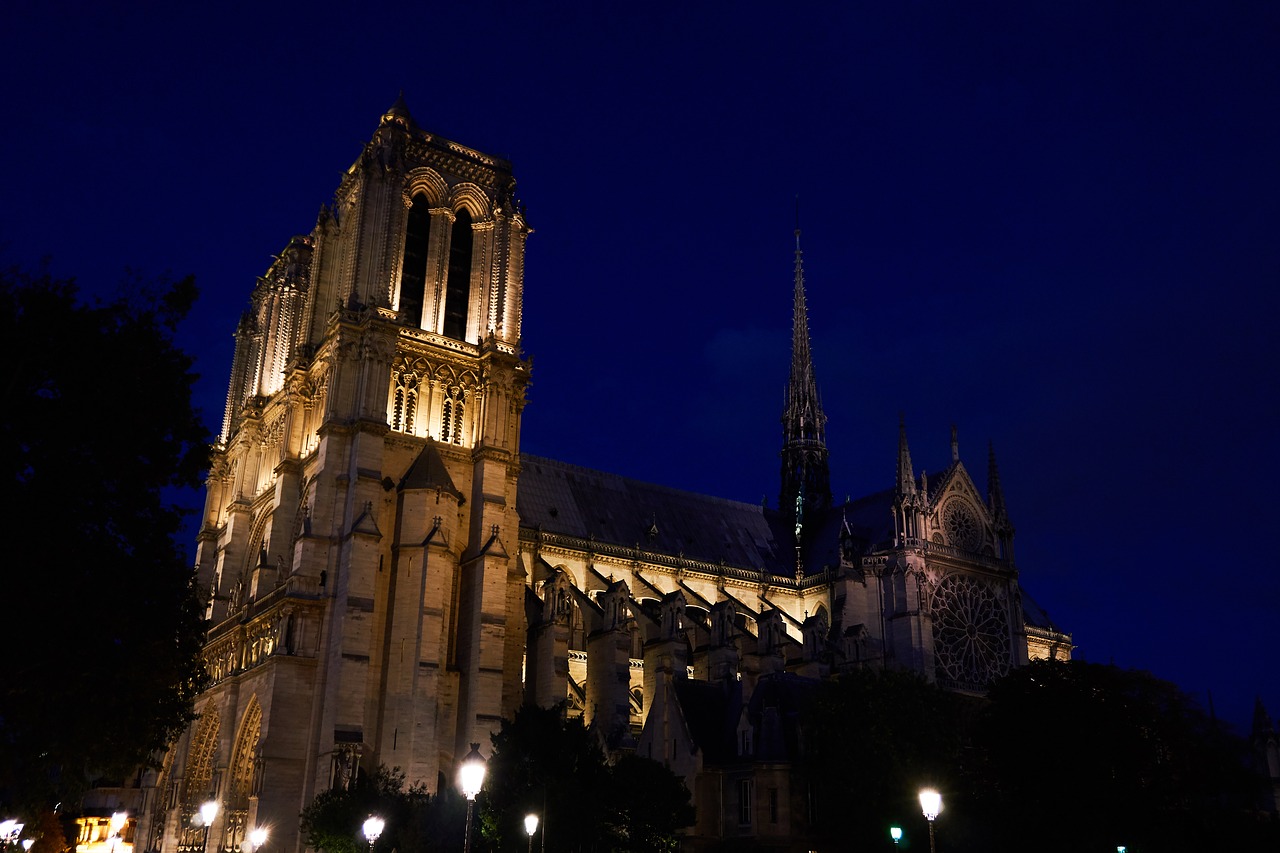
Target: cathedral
column 389, row 576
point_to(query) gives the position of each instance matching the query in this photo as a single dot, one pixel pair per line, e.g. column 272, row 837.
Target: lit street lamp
column 470, row 780
column 531, row 826
column 114, row 826
column 931, row 805
column 895, row 832
column 373, row 827
column 9, row 831
column 257, row 838
column 208, row 811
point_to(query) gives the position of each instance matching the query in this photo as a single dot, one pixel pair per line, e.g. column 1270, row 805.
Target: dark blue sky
column 1056, row 225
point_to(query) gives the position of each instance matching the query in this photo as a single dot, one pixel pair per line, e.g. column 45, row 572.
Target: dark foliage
column 556, row 769
column 1058, row 757
column 334, row 820
column 1082, row 756
column 874, row 739
column 102, row 666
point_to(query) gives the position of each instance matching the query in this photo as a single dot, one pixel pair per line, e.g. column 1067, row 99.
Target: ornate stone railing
column 277, row 624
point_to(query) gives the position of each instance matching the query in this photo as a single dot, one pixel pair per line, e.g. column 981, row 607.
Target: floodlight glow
column 208, row 811
column 373, row 828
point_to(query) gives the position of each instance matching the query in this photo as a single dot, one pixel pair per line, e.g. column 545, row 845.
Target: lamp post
column 208, row 811
column 531, row 826
column 257, row 837
column 9, row 831
column 895, row 832
column 470, row 780
column 931, row 805
column 373, row 827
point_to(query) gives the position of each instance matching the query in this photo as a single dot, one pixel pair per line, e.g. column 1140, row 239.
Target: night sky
column 1055, row 225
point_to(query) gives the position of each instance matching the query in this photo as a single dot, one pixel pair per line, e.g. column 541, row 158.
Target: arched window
column 458, row 288
column 404, row 402
column 413, row 272
column 451, row 415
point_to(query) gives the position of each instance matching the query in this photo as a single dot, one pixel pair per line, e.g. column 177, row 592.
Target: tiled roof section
column 870, row 521
column 712, row 714
column 561, row 498
column 1035, row 615
column 429, row 472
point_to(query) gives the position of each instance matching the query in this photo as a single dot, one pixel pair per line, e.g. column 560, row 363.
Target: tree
column 99, row 428
column 555, row 768
column 872, row 740
column 414, row 820
column 1080, row 756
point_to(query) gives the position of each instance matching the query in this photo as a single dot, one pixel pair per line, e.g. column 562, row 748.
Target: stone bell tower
column 360, row 529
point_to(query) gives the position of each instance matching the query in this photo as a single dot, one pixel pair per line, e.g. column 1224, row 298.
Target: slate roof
column 567, row 499
column 1035, row 615
column 712, row 714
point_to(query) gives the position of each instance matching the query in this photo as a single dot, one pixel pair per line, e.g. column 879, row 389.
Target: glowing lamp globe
column 930, row 803
column 373, row 827
column 471, row 773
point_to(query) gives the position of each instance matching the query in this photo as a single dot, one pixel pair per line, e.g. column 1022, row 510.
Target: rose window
column 970, row 633
column 962, row 527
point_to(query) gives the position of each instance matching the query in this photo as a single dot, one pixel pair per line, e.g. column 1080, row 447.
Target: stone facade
column 389, row 577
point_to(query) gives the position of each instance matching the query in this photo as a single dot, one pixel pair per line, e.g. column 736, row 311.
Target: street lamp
column 895, row 832
column 208, row 811
column 10, row 830
column 470, row 780
column 114, row 826
column 257, row 837
column 931, row 804
column 373, row 827
column 531, row 826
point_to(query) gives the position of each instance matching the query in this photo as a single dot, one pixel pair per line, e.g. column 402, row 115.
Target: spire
column 955, row 444
column 398, row 113
column 995, row 494
column 1261, row 722
column 906, row 476
column 805, row 475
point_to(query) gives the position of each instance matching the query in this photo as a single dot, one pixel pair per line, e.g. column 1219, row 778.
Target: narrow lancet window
column 413, row 272
column 458, row 288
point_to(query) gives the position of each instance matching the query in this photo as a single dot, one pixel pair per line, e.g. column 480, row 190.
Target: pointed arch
column 469, row 197
column 427, row 182
column 457, row 297
column 413, row 265
column 197, row 779
column 244, row 754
